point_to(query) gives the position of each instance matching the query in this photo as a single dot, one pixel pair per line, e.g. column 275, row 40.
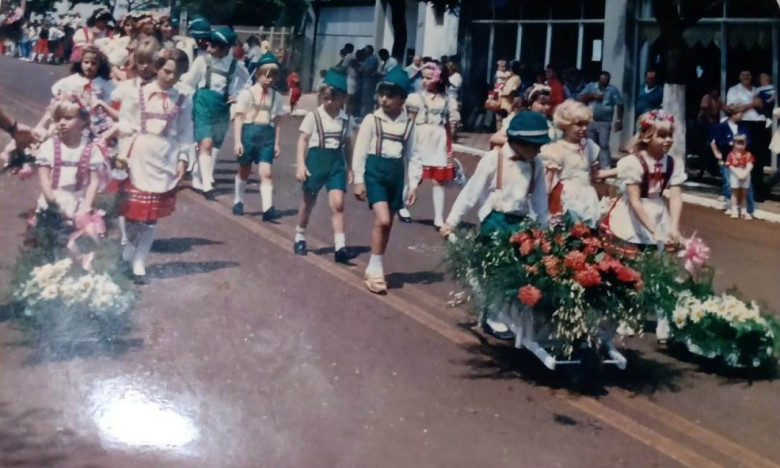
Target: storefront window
column 534, row 46
column 594, row 9
column 592, row 50
column 752, row 9
column 504, row 44
column 563, row 50
column 535, row 10
column 567, row 9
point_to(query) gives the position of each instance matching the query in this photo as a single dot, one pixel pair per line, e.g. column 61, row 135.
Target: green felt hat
column 529, row 127
column 396, row 77
column 336, row 80
column 200, row 28
column 267, row 58
column 224, row 36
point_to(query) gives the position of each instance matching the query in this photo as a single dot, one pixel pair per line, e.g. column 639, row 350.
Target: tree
column 250, row 12
column 398, row 21
column 674, row 17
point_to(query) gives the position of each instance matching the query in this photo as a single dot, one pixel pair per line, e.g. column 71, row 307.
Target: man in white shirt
column 388, row 62
column 744, row 96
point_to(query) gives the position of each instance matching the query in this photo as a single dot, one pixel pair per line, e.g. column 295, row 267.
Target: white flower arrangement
column 58, row 285
column 748, row 338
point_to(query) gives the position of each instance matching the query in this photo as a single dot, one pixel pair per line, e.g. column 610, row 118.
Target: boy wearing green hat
column 217, row 78
column 256, row 115
column 510, row 180
column 197, row 43
column 385, row 139
column 325, row 143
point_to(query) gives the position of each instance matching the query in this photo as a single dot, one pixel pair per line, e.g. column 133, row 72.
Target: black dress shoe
column 342, row 255
column 300, row 248
column 140, row 280
column 270, row 214
column 405, row 219
column 238, row 209
column 209, row 195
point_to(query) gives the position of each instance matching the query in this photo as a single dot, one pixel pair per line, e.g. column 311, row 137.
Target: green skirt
column 384, row 179
column 211, row 116
column 259, row 141
column 328, row 169
column 503, row 223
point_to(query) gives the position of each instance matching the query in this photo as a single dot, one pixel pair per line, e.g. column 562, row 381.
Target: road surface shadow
column 717, row 367
column 180, row 245
column 356, row 250
column 179, row 269
column 34, row 438
column 496, row 360
column 398, row 280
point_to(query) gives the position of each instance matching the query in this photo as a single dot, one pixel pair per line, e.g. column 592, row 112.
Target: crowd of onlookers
column 365, row 68
column 47, row 40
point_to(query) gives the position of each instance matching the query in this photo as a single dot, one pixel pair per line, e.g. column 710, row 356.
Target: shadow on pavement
column 179, row 269
column 737, row 375
column 397, row 280
column 179, row 245
column 499, row 361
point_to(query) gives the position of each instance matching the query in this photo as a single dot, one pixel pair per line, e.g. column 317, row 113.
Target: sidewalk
column 477, row 144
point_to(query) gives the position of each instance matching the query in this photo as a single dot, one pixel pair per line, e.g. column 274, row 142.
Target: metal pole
column 316, row 7
column 519, row 44
column 490, row 54
column 548, row 47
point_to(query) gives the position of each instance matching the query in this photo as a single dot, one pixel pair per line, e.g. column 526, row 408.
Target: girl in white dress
column 571, row 164
column 643, row 216
column 156, row 129
column 68, row 163
column 431, row 109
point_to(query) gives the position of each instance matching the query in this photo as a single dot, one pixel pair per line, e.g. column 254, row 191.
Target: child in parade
column 90, row 81
column 433, row 137
column 197, row 44
column 739, row 163
column 325, row 143
column 257, row 113
column 536, row 98
column 68, row 163
column 157, row 120
column 642, row 216
column 510, row 183
column 143, row 67
column 294, row 85
column 571, row 164
column 95, row 29
column 217, row 79
column 384, row 140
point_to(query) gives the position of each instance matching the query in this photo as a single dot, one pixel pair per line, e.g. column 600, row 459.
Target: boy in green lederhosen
column 256, row 115
column 217, row 78
column 385, row 139
column 325, row 143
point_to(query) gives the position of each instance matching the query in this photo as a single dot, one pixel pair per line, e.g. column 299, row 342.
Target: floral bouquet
column 70, row 302
column 724, row 326
column 564, row 274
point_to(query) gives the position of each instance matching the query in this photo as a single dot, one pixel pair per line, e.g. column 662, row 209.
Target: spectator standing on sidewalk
column 744, row 97
column 414, row 70
column 722, row 143
column 604, row 99
column 369, row 71
column 557, row 94
column 388, row 62
column 651, row 95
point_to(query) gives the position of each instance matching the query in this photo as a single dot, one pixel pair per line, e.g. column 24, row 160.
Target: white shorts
column 737, row 183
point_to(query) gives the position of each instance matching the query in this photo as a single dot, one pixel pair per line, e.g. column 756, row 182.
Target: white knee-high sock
column 438, row 205
column 143, row 247
column 339, row 240
column 267, row 194
column 300, row 234
column 206, row 163
column 122, row 222
column 240, row 190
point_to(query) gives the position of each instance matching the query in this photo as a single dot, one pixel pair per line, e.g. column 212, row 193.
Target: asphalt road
column 243, row 355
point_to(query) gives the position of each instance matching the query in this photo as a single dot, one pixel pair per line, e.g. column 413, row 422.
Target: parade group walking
column 144, row 108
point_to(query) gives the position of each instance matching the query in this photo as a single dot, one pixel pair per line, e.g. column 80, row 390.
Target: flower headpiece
column 650, row 118
column 436, row 71
column 73, row 99
column 532, row 92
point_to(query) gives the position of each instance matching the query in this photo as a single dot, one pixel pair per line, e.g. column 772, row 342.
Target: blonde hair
column 649, row 124
column 569, row 112
column 66, row 105
column 146, row 50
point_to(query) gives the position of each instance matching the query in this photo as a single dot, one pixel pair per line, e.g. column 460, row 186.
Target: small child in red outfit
column 740, row 162
column 294, row 85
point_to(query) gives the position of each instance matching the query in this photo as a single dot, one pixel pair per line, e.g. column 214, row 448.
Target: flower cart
column 562, row 292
